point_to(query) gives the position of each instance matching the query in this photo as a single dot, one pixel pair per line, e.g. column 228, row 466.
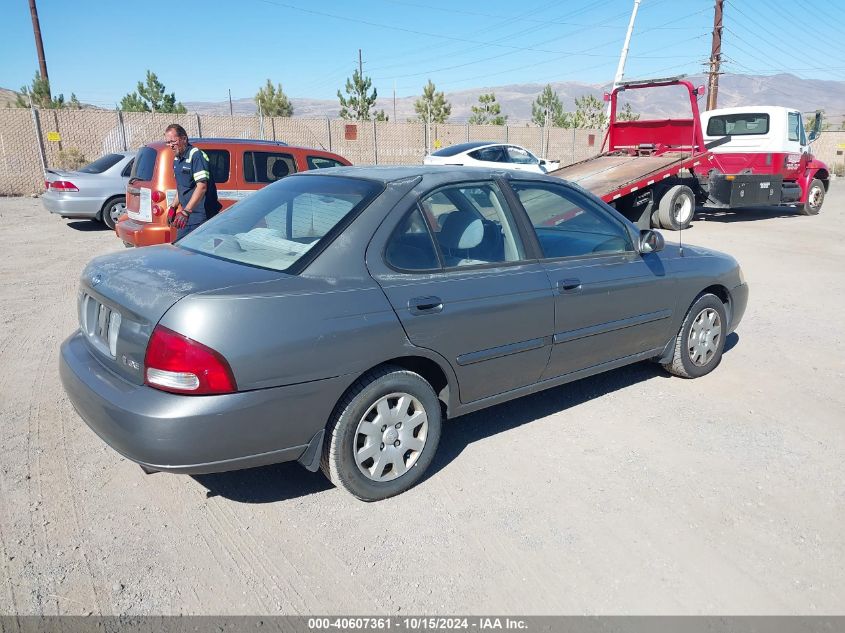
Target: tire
column 112, row 210
column 815, row 198
column 386, row 410
column 676, row 208
column 701, row 339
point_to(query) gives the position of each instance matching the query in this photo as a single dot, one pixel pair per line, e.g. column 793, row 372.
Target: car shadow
column 751, row 214
column 87, row 226
column 283, row 482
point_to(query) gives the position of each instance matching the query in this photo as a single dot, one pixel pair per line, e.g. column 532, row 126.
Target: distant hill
column 516, row 99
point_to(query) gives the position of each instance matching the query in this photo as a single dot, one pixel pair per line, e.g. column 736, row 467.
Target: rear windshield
column 102, row 164
column 738, row 124
column 277, row 226
column 145, row 162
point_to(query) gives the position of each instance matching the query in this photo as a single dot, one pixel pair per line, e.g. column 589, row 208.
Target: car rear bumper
column 136, row 233
column 71, row 204
column 194, row 434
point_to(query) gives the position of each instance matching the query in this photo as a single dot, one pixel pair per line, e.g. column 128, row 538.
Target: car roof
column 433, row 173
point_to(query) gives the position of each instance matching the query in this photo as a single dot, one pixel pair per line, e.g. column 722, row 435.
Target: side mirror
column 651, row 242
column 816, row 132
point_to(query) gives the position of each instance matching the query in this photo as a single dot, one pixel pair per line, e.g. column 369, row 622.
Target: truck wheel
column 676, row 208
column 383, row 434
column 815, row 198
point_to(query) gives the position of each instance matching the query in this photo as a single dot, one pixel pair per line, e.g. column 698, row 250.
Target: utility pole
column 620, row 69
column 394, row 101
column 230, row 102
column 360, row 65
column 715, row 57
column 39, row 46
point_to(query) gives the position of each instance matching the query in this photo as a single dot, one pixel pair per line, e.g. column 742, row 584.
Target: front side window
column 278, row 225
column 267, row 167
column 568, row 224
column 521, row 157
column 472, row 224
column 746, row 124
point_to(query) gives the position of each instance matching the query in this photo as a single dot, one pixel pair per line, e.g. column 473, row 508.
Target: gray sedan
column 96, row 191
column 337, row 317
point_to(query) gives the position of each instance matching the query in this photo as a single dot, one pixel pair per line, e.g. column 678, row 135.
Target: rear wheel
column 112, row 210
column 815, row 198
column 676, row 208
column 701, row 340
column 383, row 434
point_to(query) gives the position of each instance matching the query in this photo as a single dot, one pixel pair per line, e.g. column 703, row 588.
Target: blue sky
column 99, row 50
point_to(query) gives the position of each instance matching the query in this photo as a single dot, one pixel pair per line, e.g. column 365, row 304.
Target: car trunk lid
column 124, row 295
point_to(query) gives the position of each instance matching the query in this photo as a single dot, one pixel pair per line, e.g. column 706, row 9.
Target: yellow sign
column 54, row 137
column 437, row 143
column 840, row 146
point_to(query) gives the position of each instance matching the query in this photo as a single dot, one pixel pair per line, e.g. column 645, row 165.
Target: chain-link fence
column 34, row 140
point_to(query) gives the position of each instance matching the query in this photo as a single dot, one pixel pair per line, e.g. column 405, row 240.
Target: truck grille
column 100, row 323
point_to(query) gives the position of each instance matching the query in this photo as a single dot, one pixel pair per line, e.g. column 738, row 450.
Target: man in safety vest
column 197, row 193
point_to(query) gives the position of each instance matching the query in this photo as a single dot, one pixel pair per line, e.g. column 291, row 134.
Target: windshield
column 102, row 164
column 276, row 226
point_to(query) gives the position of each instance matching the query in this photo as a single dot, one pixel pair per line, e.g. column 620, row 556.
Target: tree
column 589, row 112
column 488, row 111
column 39, row 91
column 548, row 109
column 356, row 106
column 627, row 114
column 150, row 96
column 273, row 101
column 432, row 106
column 74, row 104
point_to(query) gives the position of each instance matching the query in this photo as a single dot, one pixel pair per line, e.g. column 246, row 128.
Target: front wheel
column 676, row 208
column 701, row 340
column 112, row 210
column 382, row 435
column 815, row 198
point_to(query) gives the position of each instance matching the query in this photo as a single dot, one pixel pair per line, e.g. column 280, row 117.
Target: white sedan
column 487, row 154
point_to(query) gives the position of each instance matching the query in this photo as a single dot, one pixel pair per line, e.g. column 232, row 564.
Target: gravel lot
column 627, row 493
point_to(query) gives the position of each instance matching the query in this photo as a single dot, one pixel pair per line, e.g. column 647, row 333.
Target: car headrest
column 280, row 169
column 461, row 229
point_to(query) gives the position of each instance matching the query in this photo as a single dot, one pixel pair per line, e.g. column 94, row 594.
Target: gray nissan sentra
column 337, row 317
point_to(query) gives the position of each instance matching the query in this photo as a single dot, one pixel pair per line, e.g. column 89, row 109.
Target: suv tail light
column 157, row 196
column 63, row 185
column 178, row 364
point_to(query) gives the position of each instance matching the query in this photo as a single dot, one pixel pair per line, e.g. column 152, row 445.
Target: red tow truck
column 655, row 171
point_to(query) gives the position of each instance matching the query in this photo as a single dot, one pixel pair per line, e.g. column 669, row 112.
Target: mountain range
column 516, row 99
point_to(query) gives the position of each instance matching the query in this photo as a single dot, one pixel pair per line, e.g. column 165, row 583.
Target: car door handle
column 425, row 305
column 569, row 285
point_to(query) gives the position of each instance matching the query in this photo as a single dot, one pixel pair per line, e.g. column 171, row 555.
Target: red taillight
column 178, row 364
column 157, row 196
column 46, row 184
column 63, row 185
column 157, row 210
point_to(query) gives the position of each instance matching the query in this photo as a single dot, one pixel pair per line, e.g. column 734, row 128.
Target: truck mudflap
column 745, row 190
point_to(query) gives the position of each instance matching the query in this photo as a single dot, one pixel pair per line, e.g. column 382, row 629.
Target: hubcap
column 683, row 210
column 815, row 196
column 704, row 337
column 390, row 437
column 117, row 210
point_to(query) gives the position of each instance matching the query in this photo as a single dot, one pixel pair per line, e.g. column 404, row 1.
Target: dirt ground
column 627, row 493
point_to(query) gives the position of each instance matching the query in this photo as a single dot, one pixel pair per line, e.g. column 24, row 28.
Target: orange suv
column 239, row 167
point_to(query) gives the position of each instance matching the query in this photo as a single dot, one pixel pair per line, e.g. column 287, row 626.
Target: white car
column 487, row 154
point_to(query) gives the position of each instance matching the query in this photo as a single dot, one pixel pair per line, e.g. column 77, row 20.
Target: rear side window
column 321, row 162
column 218, row 164
column 102, row 164
column 495, row 154
column 410, row 247
column 267, row 166
column 746, row 124
column 145, row 162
